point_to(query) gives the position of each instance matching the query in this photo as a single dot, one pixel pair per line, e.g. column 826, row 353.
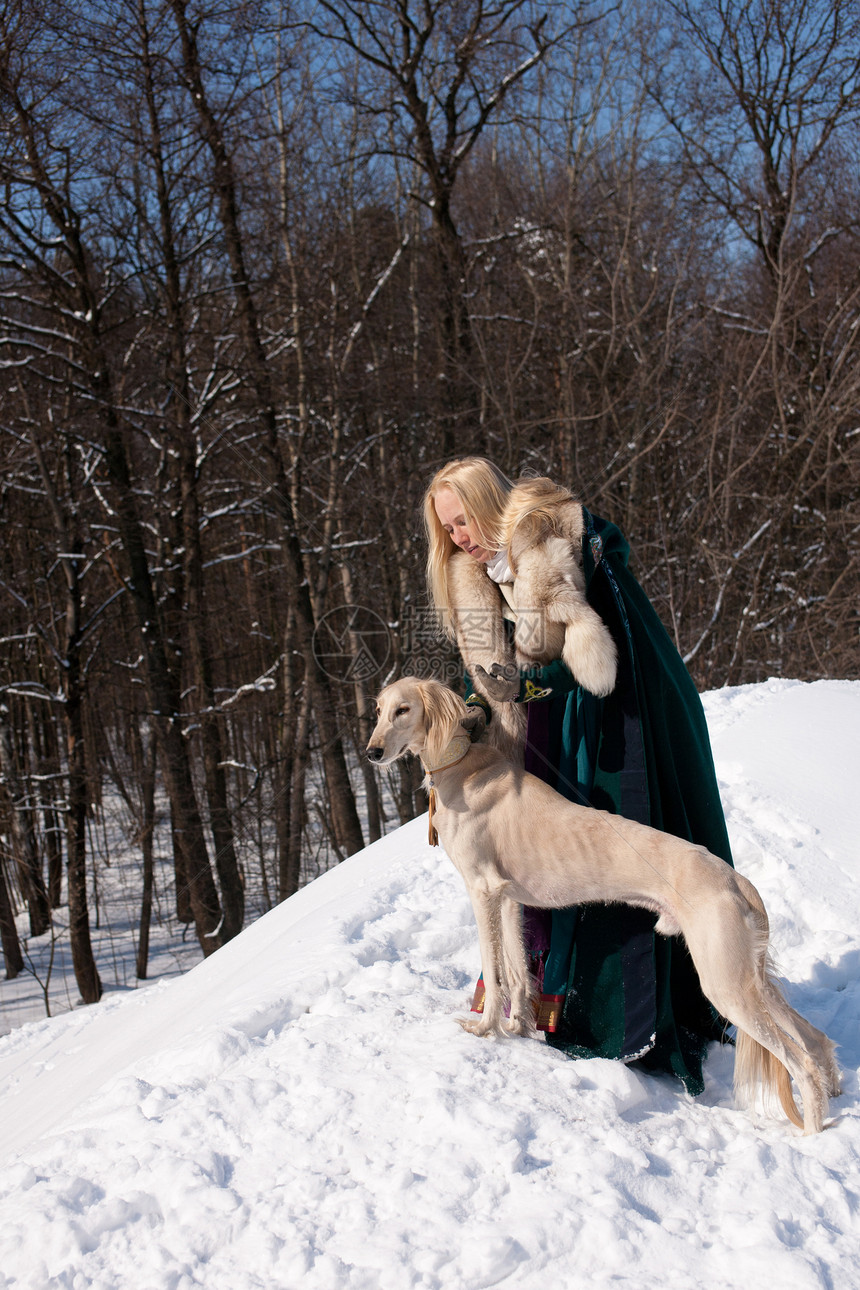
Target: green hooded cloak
column 623, row 991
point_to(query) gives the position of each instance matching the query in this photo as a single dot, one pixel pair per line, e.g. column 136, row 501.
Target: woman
column 609, row 986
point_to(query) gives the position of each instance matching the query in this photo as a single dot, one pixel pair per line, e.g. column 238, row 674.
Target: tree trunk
column 23, row 837
column 73, row 685
column 295, row 753
column 53, row 832
column 364, row 725
column 43, row 731
column 12, row 956
column 147, row 828
column 164, row 701
column 182, row 889
column 83, row 961
column 211, row 721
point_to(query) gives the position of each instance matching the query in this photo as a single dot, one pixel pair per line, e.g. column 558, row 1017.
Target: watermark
column 427, row 652
column 352, row 643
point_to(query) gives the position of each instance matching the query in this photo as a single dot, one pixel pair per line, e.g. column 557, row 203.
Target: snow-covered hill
column 301, row 1111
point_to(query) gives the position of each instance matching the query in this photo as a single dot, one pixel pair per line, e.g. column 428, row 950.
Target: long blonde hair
column 482, row 490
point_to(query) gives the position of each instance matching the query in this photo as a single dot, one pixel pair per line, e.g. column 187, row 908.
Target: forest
column 266, row 264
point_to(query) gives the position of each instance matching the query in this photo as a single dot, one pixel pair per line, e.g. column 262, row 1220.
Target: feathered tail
column 757, row 1068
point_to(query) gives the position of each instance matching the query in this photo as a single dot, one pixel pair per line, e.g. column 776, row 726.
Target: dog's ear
column 443, row 712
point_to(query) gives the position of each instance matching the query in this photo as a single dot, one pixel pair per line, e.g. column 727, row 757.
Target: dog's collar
column 456, row 751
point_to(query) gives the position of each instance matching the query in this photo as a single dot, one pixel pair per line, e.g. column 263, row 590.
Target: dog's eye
column 401, row 711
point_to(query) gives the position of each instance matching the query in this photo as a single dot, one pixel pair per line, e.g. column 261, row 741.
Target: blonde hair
column 482, row 490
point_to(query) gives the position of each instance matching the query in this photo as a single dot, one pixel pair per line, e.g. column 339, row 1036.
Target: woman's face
column 449, row 509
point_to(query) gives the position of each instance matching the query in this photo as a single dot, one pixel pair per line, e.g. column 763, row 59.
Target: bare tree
column 766, row 87
column 342, row 800
column 180, row 427
column 771, row 97
column 445, row 72
column 48, row 230
column 73, row 681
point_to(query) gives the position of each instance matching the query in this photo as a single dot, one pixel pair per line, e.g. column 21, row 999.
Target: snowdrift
column 300, row 1110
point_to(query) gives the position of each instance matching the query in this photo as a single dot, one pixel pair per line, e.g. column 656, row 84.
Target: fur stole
column 544, row 528
column 475, row 604
column 554, row 620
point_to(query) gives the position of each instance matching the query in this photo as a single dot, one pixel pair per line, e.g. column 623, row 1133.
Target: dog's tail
column 756, row 1068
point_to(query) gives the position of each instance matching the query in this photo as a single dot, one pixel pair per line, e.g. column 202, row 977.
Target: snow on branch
column 261, row 685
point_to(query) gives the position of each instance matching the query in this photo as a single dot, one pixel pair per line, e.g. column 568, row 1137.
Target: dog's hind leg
column 756, row 1068
column 814, row 1065
column 768, row 1053
column 729, row 949
column 485, row 905
column 823, row 1051
column 813, row 1041
column 516, row 968
column 760, row 1031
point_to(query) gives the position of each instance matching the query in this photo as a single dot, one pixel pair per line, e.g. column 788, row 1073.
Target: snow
column 301, row 1109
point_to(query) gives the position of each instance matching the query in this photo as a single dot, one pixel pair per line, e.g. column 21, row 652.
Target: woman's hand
column 501, row 683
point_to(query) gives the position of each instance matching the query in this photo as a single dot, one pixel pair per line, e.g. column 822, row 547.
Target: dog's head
column 415, row 716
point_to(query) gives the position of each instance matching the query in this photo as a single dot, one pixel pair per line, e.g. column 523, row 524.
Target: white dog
column 516, row 841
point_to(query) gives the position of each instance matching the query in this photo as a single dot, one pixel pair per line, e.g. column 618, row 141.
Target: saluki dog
column 516, row 842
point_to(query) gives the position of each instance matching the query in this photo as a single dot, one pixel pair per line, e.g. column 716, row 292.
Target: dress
column 610, row 986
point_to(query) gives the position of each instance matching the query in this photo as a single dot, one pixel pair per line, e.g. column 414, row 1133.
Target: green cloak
column 643, row 752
